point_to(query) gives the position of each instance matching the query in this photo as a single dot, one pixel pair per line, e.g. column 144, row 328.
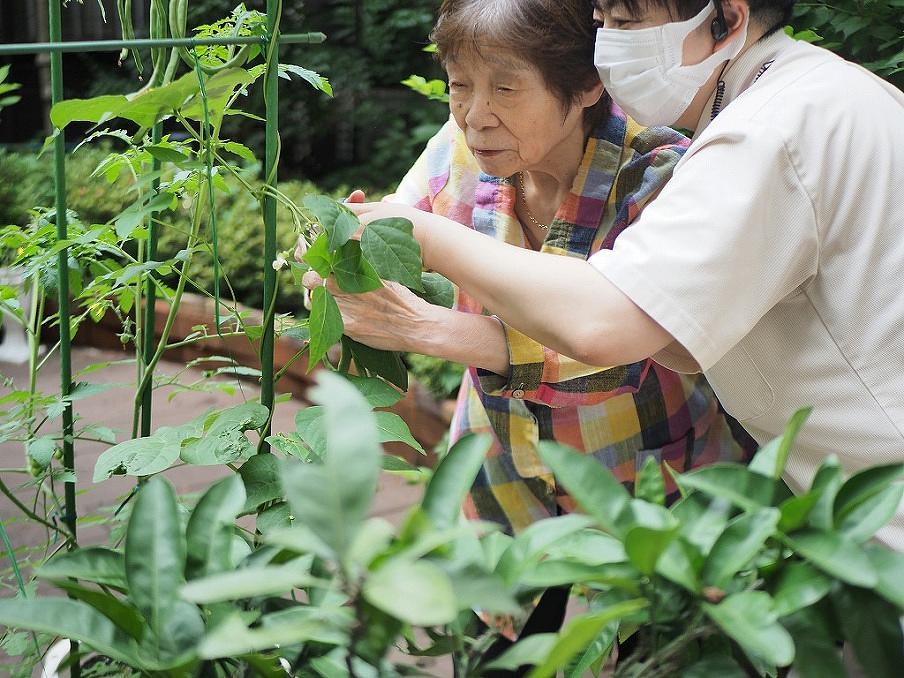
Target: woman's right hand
column 301, row 247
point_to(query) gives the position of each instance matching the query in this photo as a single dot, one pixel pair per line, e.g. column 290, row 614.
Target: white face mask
column 642, row 69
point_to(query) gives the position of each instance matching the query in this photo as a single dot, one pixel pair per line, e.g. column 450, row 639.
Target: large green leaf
column 889, row 566
column 212, row 526
column 261, row 476
column 392, row 428
column 530, row 545
column 579, row 633
column 771, row 459
column 589, row 482
column 681, row 563
column 338, row 222
column 353, row 273
column 528, row 651
column 304, row 625
column 796, row 511
column 453, row 478
column 325, row 323
column 310, row 427
column 816, row 653
column 391, row 249
column 749, row 618
column 120, row 612
column 376, row 391
column 737, row 484
column 741, row 541
column 650, row 530
column 798, row 586
column 418, row 592
column 219, row 90
column 836, row 554
column 155, row 553
column 438, row 290
column 252, row 582
column 863, row 486
column 872, row 625
column 372, row 361
column 871, row 515
column 332, row 499
column 73, row 619
column 319, row 257
column 223, row 438
column 144, row 456
column 91, row 563
column 702, row 519
column 85, row 110
column 826, row 483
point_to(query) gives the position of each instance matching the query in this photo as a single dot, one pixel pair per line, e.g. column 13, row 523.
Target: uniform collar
column 742, row 72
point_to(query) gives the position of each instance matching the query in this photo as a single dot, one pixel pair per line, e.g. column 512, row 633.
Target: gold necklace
column 530, row 216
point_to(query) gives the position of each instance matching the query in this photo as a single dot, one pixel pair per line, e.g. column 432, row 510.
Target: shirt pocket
column 741, row 386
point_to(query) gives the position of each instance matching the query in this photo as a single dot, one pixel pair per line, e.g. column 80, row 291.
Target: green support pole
column 56, row 80
column 271, row 95
column 149, row 346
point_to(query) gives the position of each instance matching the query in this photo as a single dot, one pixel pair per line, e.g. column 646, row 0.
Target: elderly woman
column 536, row 155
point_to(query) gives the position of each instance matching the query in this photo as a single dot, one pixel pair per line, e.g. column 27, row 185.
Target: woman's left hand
column 391, row 318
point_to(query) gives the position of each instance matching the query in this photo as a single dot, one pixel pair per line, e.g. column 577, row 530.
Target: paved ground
column 113, row 409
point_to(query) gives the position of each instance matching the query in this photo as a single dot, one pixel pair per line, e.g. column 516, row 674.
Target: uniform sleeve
column 541, row 375
column 732, row 234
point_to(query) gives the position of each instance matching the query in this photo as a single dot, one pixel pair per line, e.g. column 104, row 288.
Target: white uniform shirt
column 775, row 257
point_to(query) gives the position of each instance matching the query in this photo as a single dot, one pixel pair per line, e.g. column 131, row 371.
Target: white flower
column 280, row 263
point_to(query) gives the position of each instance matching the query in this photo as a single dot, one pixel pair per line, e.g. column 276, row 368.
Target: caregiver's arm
column 562, row 302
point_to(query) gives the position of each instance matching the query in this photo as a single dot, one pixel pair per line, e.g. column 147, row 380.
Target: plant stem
column 31, row 515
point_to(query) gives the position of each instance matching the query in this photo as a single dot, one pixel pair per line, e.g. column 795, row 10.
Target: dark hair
column 771, row 14
column 557, row 37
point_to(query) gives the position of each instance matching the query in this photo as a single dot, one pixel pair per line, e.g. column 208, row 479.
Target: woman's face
column 511, row 121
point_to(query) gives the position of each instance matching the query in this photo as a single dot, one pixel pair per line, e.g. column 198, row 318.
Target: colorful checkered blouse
column 621, row 415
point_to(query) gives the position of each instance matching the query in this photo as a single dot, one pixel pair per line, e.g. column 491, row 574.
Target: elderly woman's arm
column 562, row 302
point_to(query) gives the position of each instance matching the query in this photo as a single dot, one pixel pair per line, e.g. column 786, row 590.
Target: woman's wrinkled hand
column 301, row 246
column 391, row 318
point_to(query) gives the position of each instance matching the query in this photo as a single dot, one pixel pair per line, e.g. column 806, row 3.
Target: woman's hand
column 391, row 318
column 424, row 222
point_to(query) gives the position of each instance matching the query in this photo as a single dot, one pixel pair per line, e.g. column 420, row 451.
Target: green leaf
column 155, row 553
column 738, row 545
column 889, row 566
column 339, row 223
column 418, row 593
column 223, row 438
column 771, row 459
column 220, row 88
column 376, row 391
column 452, row 480
column 326, row 325
column 143, row 456
column 816, row 654
column 274, row 517
column 85, row 110
column 212, row 526
column 166, row 153
column 737, row 484
column 252, row 582
column 261, row 476
column 836, row 554
column 309, row 424
column 798, row 586
column 353, row 274
column 530, row 545
column 41, row 450
column 72, row 619
column 702, row 520
column 332, row 499
column 386, row 364
column 873, row 627
column 579, row 633
column 722, row 666
column 863, row 486
column 91, row 563
column 438, row 290
column 392, row 428
column 871, row 515
column 315, row 80
column 826, row 483
column 319, row 257
column 650, row 485
column 528, row 651
column 681, row 563
column 121, row 613
column 749, row 618
column 391, row 249
column 796, row 511
column 589, row 482
column 650, row 531
column 595, row 654
column 240, row 150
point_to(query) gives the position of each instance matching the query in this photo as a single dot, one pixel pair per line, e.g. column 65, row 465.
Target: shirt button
column 518, row 393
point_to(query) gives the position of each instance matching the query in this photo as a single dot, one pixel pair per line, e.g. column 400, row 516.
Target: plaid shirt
column 621, row 415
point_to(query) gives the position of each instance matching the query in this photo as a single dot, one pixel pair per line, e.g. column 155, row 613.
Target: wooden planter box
column 427, row 418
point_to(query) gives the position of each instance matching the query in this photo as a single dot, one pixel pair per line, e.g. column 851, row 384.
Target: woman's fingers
column 356, row 196
column 311, row 279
